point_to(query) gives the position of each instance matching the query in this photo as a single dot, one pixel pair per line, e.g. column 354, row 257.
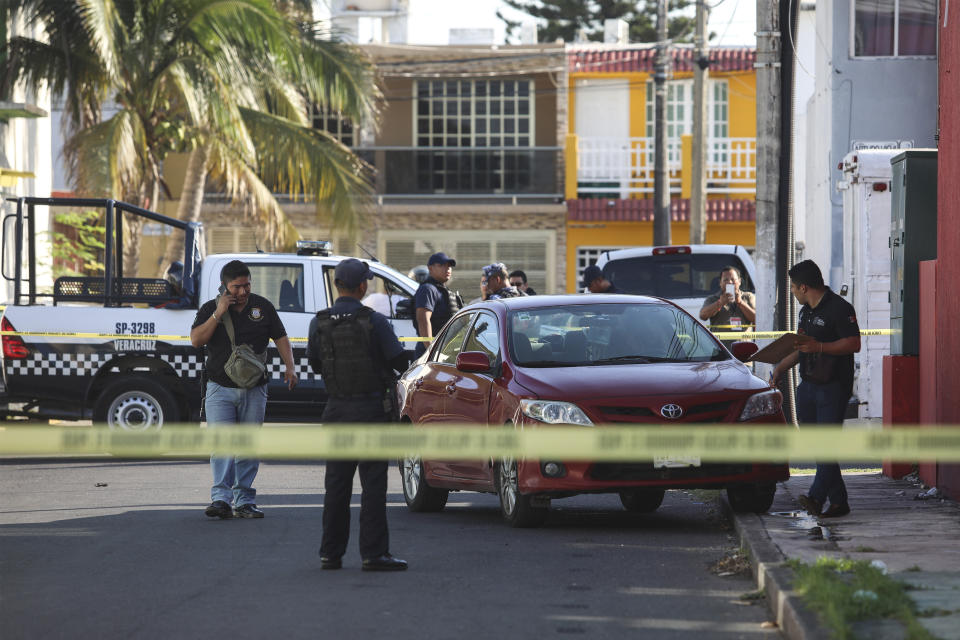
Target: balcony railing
column 625, row 166
column 495, row 172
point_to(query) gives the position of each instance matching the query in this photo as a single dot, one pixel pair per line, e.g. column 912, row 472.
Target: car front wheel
column 517, row 509
column 752, row 498
column 642, row 500
column 420, row 496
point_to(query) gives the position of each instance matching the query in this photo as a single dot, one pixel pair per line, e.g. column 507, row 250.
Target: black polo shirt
column 434, row 297
column 256, row 325
column 832, row 319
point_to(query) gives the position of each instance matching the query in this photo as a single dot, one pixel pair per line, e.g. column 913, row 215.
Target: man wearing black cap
column 356, row 353
column 435, row 304
column 594, row 281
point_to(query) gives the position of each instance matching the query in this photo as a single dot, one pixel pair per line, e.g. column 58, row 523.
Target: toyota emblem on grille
column 671, row 411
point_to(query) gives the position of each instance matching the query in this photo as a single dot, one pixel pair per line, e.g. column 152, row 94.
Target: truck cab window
column 281, row 284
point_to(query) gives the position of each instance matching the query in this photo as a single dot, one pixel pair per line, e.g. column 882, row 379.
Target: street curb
column 774, row 578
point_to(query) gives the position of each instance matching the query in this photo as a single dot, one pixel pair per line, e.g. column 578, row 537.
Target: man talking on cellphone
column 237, row 317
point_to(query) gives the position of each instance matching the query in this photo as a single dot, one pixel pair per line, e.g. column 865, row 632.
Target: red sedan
column 586, row 360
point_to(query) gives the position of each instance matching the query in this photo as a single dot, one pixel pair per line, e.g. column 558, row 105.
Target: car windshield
column 609, row 334
column 689, row 275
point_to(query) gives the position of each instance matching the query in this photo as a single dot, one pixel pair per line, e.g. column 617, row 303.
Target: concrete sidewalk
column 917, row 540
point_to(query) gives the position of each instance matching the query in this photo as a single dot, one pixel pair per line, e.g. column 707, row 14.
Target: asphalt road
column 136, row 558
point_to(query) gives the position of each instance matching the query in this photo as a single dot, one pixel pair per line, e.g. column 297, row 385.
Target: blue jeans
column 824, row 404
column 226, row 406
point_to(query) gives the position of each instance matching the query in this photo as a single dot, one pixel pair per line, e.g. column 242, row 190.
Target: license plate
column 676, row 463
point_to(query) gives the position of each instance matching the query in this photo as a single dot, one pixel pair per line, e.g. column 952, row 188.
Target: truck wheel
column 135, row 404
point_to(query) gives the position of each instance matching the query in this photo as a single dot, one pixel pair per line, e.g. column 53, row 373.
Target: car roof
column 634, row 252
column 539, row 301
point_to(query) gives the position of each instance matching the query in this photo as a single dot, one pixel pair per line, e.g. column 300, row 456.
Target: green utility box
column 913, row 238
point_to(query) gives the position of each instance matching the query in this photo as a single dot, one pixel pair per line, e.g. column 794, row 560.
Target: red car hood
column 655, row 379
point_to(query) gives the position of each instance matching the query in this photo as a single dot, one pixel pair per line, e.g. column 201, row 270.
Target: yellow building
column 610, row 146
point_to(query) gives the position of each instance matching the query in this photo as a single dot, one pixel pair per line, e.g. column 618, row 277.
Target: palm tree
column 230, row 81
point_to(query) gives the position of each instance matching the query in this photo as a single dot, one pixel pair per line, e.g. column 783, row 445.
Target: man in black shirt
column 826, row 374
column 255, row 322
column 594, row 282
column 518, row 280
column 433, row 301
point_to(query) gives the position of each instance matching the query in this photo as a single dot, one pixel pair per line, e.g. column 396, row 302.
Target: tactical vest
column 454, row 304
column 346, row 365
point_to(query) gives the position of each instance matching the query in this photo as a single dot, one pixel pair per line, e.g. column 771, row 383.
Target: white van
column 685, row 275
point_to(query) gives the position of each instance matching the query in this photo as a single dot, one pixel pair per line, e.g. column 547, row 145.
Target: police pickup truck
column 117, row 349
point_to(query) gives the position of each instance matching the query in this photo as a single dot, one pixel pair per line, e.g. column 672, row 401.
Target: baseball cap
column 590, row 274
column 351, row 272
column 441, row 258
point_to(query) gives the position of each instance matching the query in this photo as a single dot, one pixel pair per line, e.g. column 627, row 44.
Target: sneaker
column 810, row 505
column 248, row 510
column 836, row 510
column 218, row 509
column 330, row 562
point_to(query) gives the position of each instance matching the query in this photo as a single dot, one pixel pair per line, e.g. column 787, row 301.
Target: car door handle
column 418, row 383
column 451, row 388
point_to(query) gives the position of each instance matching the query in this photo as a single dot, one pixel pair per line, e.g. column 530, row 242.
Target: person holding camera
column 731, row 309
column 236, row 328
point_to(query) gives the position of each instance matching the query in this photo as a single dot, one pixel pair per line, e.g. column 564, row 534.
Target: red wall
column 948, row 231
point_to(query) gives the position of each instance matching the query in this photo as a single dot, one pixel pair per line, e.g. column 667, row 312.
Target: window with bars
column 334, row 124
column 680, row 112
column 892, row 28
column 528, row 250
column 486, row 118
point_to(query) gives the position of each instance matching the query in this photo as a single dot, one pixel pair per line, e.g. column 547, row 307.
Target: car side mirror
column 743, row 351
column 473, row 362
column 404, row 309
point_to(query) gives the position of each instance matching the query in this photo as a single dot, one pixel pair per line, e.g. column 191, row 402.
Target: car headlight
column 767, row 403
column 554, row 412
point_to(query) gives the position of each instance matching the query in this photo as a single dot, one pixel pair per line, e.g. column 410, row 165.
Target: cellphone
column 731, row 289
column 222, row 289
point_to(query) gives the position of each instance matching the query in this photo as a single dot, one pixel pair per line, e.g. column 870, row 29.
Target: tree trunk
column 191, row 201
column 133, row 229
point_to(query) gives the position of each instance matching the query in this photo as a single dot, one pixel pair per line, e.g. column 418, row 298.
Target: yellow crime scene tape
column 773, row 443
column 137, row 336
column 761, row 335
column 723, row 335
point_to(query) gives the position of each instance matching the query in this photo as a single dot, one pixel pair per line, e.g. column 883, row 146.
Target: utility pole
column 768, row 161
column 701, row 73
column 661, row 172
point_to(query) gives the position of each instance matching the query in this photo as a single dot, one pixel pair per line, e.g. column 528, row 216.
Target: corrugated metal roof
column 608, row 59
column 604, row 210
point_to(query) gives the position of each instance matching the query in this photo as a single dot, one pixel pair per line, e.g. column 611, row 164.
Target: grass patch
column 753, row 596
column 845, row 591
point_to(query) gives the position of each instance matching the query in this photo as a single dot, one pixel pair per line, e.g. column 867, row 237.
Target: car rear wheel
column 420, row 497
column 135, row 404
column 752, row 498
column 642, row 500
column 517, row 509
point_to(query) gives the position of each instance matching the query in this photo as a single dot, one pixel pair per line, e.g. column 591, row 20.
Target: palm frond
column 103, row 159
column 342, row 78
column 303, row 161
column 105, row 31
